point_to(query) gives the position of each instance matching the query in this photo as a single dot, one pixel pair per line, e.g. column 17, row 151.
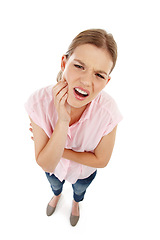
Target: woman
column 74, row 122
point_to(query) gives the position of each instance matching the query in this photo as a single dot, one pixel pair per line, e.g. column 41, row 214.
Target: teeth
column 81, row 91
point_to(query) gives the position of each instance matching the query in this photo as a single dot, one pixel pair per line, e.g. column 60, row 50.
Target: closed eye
column 78, row 66
column 99, row 75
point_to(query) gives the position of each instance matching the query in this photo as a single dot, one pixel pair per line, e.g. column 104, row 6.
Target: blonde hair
column 98, row 37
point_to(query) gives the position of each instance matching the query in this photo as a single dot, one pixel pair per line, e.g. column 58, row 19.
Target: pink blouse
column 98, row 120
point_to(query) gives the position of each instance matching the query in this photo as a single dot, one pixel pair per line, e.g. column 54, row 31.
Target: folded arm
column 101, row 155
column 45, row 147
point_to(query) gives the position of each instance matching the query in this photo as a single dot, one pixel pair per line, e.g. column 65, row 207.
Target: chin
column 72, row 103
column 75, row 103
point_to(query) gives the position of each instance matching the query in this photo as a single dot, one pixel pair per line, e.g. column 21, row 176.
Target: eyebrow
column 82, row 63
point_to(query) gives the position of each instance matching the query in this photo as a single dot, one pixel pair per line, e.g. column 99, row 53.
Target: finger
column 32, row 138
column 64, row 98
column 30, row 129
column 58, row 93
column 59, row 97
column 60, row 83
column 58, row 88
column 61, row 94
column 62, row 79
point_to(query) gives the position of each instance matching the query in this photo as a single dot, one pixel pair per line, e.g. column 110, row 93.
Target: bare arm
column 98, row 159
column 48, row 152
column 101, row 155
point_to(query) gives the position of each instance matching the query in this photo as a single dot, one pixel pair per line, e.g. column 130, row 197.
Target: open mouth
column 80, row 93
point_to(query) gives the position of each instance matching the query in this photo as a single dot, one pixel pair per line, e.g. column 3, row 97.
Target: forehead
column 93, row 57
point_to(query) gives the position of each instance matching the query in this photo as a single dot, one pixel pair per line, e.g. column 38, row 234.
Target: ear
column 63, row 62
column 109, row 78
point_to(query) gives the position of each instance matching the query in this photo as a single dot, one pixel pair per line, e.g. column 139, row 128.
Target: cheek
column 70, row 77
column 64, row 75
column 67, row 75
column 99, row 86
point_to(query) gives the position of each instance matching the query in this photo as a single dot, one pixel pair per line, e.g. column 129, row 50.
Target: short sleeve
column 36, row 107
column 115, row 117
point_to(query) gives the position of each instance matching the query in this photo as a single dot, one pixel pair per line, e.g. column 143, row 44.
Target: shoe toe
column 74, row 220
column 50, row 210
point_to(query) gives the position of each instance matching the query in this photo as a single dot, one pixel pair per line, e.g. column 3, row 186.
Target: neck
column 76, row 114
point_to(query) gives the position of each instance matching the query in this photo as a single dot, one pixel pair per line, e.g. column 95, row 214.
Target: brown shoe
column 50, row 210
column 74, row 220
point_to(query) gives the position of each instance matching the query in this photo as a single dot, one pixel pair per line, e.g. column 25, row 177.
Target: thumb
column 68, row 107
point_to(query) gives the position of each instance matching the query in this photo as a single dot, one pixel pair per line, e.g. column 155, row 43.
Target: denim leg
column 79, row 188
column 56, row 184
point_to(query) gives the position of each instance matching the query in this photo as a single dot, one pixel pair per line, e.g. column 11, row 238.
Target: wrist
column 63, row 124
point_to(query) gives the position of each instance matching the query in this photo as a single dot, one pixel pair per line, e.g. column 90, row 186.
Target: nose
column 87, row 79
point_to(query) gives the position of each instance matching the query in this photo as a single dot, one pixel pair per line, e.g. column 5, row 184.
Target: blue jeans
column 79, row 188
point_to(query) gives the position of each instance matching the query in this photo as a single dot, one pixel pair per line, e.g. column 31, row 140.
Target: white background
column 123, row 201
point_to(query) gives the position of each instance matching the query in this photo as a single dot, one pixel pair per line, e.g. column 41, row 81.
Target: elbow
column 103, row 163
column 44, row 166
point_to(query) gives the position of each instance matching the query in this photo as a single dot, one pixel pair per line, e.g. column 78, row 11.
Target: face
column 87, row 73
